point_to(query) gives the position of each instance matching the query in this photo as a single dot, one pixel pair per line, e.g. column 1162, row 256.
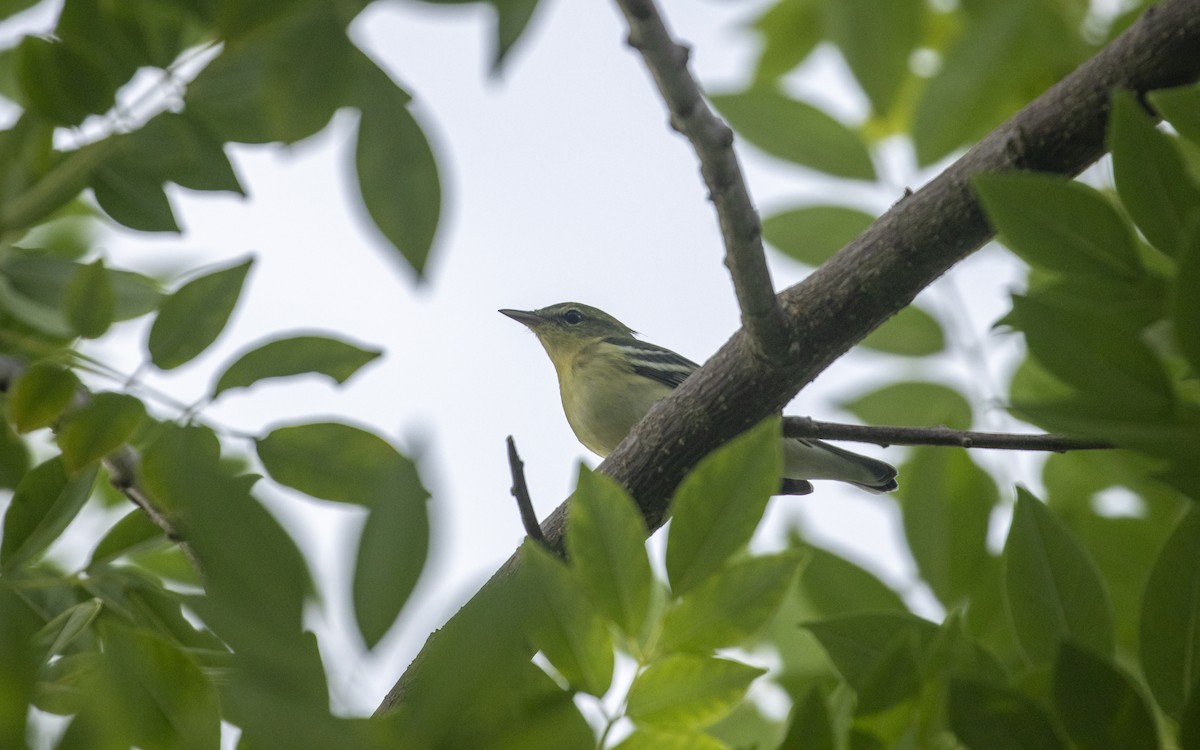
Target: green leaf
column 688, row 690
column 175, row 148
column 44, row 278
column 22, row 660
column 133, row 531
column 730, row 606
column 1102, row 356
column 876, row 40
column 606, row 544
column 133, row 197
column 272, row 87
column 1170, row 619
column 812, row 234
column 68, row 625
column 796, row 131
column 790, row 30
column 912, row 332
column 512, row 18
column 1054, row 590
column 809, row 725
column 567, row 628
column 60, row 83
column 1109, row 712
column 877, row 653
column 40, row 395
column 14, row 457
column 294, row 356
column 993, row 717
column 97, row 428
column 1185, row 308
column 834, row 586
column 1061, row 225
column 397, row 173
column 1181, row 107
column 391, row 554
column 91, row 304
column 1150, row 176
column 336, row 462
column 43, row 505
column 912, row 403
column 191, row 319
column 650, row 738
column 718, row 505
column 947, row 504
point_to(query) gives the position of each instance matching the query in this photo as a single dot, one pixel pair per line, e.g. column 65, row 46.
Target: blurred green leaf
column 877, row 653
column 567, row 628
column 192, row 318
column 1181, row 107
column 391, row 554
column 134, row 530
column 718, row 505
column 133, row 198
column 397, row 173
column 912, row 332
column 876, row 40
column 1185, row 307
column 796, row 131
column 947, row 504
column 57, row 634
column 61, row 687
column 173, row 147
column 91, row 303
column 1150, row 176
column 42, row 506
column 809, row 724
column 834, row 585
column 1054, row 590
column 1109, row 712
column 337, row 462
column 985, row 716
column 790, row 30
column 606, row 544
column 1059, row 224
column 97, row 428
column 294, row 356
column 15, row 460
column 41, row 393
column 688, row 690
column 22, row 658
column 912, row 403
column 811, row 234
column 731, row 605
column 61, row 84
column 1102, row 356
column 1170, row 619
column 676, row 738
column 45, row 279
column 512, row 18
column 270, row 86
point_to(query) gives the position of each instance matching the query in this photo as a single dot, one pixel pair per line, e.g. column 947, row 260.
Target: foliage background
column 626, row 214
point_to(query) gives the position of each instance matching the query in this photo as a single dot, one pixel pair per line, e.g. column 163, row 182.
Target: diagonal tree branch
column 869, row 280
column 712, row 140
column 805, row 427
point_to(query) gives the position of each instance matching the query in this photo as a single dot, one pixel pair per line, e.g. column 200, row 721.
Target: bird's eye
column 572, row 317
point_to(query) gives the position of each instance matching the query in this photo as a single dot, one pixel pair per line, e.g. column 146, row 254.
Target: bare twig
column 712, row 140
column 521, row 492
column 806, row 427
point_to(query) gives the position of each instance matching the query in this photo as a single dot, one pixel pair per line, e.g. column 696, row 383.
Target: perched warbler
column 609, row 380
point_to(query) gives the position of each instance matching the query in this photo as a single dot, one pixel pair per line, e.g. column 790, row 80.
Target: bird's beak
column 525, row 317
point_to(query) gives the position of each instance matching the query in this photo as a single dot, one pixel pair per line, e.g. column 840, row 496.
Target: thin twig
column 521, row 492
column 712, row 140
column 806, row 427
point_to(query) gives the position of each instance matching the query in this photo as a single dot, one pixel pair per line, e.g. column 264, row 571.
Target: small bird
column 609, row 380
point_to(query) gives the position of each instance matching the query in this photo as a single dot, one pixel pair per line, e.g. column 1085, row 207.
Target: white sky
column 563, row 182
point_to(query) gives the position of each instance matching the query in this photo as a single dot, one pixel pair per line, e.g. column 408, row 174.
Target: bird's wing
column 655, row 362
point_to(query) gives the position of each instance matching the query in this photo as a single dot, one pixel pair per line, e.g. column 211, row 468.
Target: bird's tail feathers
column 816, row 459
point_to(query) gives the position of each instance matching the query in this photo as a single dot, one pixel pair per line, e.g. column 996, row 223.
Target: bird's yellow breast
column 601, row 399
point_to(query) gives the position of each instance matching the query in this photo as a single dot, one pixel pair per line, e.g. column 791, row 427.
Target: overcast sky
column 563, row 183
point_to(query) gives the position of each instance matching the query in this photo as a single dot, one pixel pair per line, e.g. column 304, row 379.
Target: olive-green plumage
column 609, row 380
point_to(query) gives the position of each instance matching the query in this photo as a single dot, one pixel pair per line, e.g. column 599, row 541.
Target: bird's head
column 566, row 328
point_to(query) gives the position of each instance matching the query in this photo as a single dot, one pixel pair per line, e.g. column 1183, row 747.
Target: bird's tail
column 816, row 459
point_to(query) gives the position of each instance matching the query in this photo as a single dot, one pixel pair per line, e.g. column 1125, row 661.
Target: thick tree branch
column 869, row 280
column 712, row 140
column 805, row 427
